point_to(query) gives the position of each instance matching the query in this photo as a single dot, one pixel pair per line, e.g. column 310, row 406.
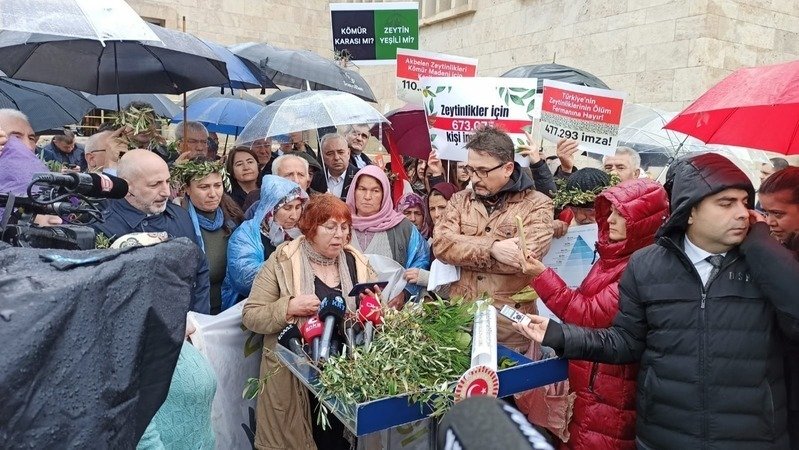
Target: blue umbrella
column 243, row 73
column 221, row 115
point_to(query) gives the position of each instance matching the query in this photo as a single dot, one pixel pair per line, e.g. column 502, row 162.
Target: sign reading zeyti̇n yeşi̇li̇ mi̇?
column 585, row 114
column 371, row 33
column 413, row 64
column 456, row 107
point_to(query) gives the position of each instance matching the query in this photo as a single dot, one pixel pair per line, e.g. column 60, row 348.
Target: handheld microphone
column 331, row 310
column 311, row 330
column 89, row 184
column 290, row 338
column 487, row 422
column 369, row 315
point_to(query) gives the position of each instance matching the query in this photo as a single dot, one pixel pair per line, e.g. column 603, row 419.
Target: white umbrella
column 309, row 110
column 642, row 129
column 104, row 20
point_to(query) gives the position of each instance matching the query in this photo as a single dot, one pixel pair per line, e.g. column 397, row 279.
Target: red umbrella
column 408, row 131
column 755, row 107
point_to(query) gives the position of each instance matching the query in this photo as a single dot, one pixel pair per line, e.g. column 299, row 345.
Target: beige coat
column 283, row 415
column 464, row 236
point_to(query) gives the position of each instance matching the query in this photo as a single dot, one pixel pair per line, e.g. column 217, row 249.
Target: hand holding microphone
column 535, row 330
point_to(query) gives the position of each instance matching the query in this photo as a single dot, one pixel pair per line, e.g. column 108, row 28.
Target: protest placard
column 588, row 115
column 571, row 257
column 235, row 354
column 371, row 33
column 413, row 64
column 456, row 107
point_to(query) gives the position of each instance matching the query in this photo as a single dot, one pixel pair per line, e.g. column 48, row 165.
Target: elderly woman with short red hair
column 287, row 290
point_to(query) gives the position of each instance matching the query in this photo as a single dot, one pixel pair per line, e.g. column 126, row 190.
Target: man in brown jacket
column 478, row 231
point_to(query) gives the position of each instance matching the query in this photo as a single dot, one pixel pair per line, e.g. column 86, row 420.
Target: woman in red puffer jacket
column 627, row 215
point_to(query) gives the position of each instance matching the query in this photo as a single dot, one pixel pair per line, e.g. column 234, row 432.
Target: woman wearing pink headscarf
column 379, row 229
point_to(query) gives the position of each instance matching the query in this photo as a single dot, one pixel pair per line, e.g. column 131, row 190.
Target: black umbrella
column 161, row 104
column 555, row 72
column 303, row 69
column 180, row 63
column 215, row 92
column 46, row 106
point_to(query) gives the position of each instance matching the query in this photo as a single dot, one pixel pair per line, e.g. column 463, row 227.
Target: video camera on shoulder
column 77, row 196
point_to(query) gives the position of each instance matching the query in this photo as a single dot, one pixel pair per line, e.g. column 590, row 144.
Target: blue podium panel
column 389, row 412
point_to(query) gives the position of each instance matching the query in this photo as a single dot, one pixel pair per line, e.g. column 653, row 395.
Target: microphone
column 95, row 185
column 30, row 206
column 487, row 422
column 311, row 330
column 369, row 315
column 331, row 310
column 290, row 338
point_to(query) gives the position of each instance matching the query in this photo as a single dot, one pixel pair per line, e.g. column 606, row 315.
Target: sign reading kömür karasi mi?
column 371, row 33
column 456, row 107
column 585, row 114
column 414, row 64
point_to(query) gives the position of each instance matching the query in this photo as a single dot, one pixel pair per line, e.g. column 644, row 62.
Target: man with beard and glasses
column 147, row 208
column 478, row 229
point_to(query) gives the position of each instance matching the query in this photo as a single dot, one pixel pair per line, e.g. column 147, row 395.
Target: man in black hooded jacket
column 704, row 331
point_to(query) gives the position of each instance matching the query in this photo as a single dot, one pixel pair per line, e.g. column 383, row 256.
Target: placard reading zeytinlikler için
column 585, row 114
column 413, row 64
column 371, row 33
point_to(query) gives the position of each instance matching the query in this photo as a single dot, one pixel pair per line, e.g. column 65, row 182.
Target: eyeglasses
column 332, row 228
column 481, row 173
column 96, row 151
column 197, row 141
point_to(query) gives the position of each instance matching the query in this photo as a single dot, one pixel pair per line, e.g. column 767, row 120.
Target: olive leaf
column 529, row 94
column 517, row 100
column 440, row 89
column 517, row 89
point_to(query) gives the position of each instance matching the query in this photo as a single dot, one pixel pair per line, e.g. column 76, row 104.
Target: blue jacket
column 245, row 249
column 77, row 158
column 121, row 218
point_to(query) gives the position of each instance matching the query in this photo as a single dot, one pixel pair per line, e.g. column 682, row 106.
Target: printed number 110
column 409, row 85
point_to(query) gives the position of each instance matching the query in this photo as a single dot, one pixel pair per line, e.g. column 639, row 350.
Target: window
column 432, row 11
column 154, row 21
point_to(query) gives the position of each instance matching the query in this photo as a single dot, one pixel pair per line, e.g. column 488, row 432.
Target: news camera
column 76, row 197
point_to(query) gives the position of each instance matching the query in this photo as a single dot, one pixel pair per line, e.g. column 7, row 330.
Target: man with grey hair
column 336, row 157
column 626, row 163
column 147, row 208
column 15, row 123
column 193, row 140
column 63, row 149
column 357, row 136
column 293, row 167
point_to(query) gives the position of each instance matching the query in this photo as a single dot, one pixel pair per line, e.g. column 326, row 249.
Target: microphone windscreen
column 312, row 329
column 108, row 186
column 332, row 306
column 287, row 334
column 487, row 422
column 369, row 311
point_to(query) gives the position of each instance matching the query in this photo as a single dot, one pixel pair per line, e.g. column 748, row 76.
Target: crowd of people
column 683, row 334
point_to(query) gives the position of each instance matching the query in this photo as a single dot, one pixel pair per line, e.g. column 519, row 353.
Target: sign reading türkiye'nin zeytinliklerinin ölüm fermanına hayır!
column 371, row 33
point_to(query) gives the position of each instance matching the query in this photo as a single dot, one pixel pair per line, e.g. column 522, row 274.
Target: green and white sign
column 371, row 33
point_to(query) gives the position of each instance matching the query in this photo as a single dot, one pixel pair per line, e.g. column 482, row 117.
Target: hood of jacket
column 694, row 179
column 273, row 190
column 644, row 206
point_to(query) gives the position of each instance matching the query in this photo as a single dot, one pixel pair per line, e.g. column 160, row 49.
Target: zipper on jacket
column 592, row 376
